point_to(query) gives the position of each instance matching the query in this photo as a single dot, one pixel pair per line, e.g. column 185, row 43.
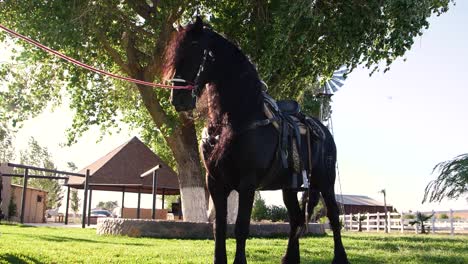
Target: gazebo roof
column 120, row 170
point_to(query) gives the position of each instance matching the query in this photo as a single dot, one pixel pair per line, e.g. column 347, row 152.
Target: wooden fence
column 400, row 222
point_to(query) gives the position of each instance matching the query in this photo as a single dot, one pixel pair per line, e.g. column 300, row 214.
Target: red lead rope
column 88, row 67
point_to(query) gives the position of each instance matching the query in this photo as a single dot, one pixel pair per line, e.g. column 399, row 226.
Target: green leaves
column 295, row 43
column 6, row 144
column 452, row 181
column 292, row 44
column 38, row 156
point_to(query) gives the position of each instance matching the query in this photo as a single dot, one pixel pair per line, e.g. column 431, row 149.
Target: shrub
column 11, row 208
column 409, row 216
column 443, row 216
column 259, row 210
column 323, row 220
column 278, row 213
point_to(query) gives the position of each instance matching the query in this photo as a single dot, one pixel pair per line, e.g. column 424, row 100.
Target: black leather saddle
column 289, row 107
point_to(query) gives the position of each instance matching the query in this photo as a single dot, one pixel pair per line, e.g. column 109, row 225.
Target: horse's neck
column 237, row 88
column 237, row 104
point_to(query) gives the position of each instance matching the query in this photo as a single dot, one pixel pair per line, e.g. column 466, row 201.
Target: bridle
column 199, row 82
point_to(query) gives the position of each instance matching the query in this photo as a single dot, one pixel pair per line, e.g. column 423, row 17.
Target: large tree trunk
column 183, row 143
column 183, row 140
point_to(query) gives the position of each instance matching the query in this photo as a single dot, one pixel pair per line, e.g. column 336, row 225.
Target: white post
column 351, row 221
column 402, row 223
column 368, row 222
column 378, row 221
column 433, row 222
column 451, row 222
column 359, row 221
column 389, row 222
column 344, row 222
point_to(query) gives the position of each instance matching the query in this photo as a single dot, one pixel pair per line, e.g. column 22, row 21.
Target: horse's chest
column 253, row 150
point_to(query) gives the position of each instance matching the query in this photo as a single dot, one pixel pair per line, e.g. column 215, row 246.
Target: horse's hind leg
column 246, row 198
column 296, row 221
column 333, row 216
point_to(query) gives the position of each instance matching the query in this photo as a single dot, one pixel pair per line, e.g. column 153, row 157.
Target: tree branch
column 128, row 42
column 113, row 52
column 152, row 105
column 154, row 67
column 142, row 9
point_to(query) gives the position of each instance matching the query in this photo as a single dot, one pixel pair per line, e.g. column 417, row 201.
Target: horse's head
column 189, row 60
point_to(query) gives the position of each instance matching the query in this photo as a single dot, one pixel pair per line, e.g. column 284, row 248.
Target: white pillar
column 378, row 221
column 368, row 222
column 389, row 222
column 402, row 223
column 359, row 221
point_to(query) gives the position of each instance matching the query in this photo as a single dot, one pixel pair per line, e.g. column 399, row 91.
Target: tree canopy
column 292, row 44
column 6, row 144
column 38, row 156
column 108, row 205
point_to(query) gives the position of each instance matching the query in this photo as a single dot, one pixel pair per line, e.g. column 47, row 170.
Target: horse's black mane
column 235, row 90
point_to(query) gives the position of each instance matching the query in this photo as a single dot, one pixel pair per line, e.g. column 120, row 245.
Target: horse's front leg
column 219, row 197
column 241, row 230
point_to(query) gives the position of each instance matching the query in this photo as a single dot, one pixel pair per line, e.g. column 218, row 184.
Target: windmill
column 329, row 87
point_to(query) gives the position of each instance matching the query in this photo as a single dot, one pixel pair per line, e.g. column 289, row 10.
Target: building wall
column 35, row 206
column 6, row 191
column 144, row 213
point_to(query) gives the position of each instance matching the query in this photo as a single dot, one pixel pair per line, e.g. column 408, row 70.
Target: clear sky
column 391, row 129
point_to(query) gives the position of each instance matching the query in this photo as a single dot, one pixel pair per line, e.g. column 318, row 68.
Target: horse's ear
column 198, row 25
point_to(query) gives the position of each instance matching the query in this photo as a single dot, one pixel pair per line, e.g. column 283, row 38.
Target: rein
column 90, row 68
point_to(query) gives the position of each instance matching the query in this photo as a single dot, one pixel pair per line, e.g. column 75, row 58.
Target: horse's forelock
column 172, row 53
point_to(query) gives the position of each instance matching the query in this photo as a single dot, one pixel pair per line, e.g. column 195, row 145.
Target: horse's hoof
column 287, row 260
column 240, row 260
column 340, row 261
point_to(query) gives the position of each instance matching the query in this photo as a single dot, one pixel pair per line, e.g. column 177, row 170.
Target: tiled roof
column 123, row 166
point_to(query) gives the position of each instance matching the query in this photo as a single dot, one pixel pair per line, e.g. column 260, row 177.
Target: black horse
column 240, row 152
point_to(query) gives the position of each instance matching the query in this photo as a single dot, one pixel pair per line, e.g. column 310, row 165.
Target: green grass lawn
column 21, row 244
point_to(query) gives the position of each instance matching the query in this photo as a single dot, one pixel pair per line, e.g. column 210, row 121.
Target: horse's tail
column 309, row 201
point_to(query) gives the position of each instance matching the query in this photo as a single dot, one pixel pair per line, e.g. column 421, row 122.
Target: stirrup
column 305, row 181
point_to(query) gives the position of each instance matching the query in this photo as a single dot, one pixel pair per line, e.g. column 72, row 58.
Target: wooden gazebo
column 123, row 170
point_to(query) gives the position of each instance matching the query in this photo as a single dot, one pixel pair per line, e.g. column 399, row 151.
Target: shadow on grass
column 352, row 259
column 8, row 223
column 18, row 259
column 61, row 239
column 405, row 238
column 26, row 226
column 441, row 259
column 279, row 236
column 64, row 239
